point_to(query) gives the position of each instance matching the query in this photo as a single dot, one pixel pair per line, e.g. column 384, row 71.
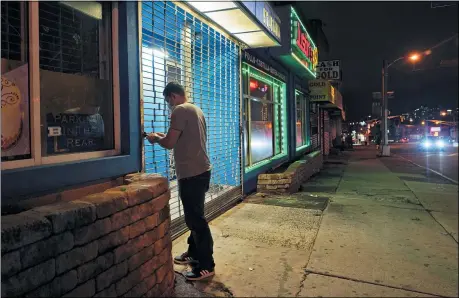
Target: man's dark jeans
column 192, row 192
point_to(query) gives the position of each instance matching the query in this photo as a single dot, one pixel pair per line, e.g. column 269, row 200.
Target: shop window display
column 71, row 80
column 263, row 117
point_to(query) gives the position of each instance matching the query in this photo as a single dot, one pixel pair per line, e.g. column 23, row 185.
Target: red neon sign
column 303, row 43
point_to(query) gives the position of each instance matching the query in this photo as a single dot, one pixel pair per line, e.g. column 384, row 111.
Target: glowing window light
column 281, row 103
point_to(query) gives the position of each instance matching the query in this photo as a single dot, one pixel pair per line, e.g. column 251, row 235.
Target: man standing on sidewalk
column 187, row 135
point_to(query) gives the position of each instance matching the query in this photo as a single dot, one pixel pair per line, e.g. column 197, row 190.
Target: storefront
column 69, row 96
column 276, row 113
column 331, row 112
column 300, row 55
column 180, row 42
column 264, row 118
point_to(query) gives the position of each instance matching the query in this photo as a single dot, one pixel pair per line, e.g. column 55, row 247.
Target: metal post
column 385, row 142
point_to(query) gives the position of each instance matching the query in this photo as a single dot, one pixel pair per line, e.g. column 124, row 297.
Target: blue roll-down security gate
column 178, row 46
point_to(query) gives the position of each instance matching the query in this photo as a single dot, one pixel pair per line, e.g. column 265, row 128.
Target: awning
column 253, row 23
column 321, row 91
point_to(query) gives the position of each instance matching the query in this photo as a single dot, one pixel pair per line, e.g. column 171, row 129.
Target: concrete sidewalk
column 382, row 234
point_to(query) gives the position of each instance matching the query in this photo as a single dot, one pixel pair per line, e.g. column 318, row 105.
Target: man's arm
column 178, row 123
column 167, row 141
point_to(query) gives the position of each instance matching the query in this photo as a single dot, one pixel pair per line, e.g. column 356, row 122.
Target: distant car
column 430, row 143
column 403, row 140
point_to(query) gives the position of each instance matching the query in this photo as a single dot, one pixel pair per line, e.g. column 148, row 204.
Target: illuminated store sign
column 265, row 14
column 260, row 64
column 303, row 48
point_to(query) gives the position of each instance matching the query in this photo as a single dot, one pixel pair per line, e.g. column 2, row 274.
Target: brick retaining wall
column 110, row 244
column 291, row 180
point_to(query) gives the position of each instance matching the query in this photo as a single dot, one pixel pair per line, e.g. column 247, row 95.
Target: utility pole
column 385, row 149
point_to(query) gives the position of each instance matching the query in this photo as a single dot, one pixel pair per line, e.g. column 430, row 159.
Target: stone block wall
column 110, row 244
column 291, row 180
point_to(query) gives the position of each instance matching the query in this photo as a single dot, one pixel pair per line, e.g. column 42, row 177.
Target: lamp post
column 385, row 149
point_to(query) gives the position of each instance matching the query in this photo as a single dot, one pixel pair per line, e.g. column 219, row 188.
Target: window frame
column 304, row 110
column 277, row 122
column 34, row 98
column 29, row 182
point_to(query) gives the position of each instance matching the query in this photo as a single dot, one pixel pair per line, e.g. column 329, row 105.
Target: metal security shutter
column 314, row 126
column 178, row 46
column 14, row 34
column 327, row 137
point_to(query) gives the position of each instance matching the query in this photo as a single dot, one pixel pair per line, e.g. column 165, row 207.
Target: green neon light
column 302, row 147
column 264, row 162
column 302, row 26
column 260, row 75
column 301, row 63
column 294, row 45
column 284, row 116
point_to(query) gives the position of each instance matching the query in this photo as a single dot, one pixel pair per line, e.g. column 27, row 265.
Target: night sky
column 362, row 34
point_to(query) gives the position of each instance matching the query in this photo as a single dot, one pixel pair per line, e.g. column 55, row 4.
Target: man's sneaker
column 184, row 259
column 199, row 274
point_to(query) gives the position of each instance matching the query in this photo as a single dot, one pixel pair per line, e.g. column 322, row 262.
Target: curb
column 433, row 171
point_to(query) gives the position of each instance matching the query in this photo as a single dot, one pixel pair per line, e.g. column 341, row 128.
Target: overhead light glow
column 256, row 39
column 206, row 6
column 234, row 20
column 414, row 57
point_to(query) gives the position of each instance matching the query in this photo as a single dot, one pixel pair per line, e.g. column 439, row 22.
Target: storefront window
column 263, row 116
column 76, row 99
column 15, row 82
column 301, row 126
column 72, row 80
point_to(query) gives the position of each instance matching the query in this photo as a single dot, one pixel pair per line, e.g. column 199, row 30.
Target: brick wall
column 291, row 180
column 109, row 244
column 17, row 205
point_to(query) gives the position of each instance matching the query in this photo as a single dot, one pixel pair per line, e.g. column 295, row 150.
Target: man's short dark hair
column 173, row 87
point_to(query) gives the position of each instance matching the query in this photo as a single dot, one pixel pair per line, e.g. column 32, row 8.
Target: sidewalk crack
column 307, row 271
column 305, row 275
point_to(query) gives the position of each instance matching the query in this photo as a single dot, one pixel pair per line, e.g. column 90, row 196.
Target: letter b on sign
column 54, row 131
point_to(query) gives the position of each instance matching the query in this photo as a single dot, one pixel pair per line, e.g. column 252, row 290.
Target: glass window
column 15, row 82
column 261, row 130
column 301, row 112
column 263, row 117
column 76, row 99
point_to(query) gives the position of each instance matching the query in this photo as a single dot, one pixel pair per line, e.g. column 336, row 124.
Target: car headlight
column 440, row 143
column 426, row 144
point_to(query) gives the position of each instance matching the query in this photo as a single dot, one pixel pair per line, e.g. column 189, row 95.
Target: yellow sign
column 321, row 91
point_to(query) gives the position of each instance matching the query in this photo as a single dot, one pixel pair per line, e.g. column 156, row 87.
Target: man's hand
column 153, row 138
column 166, row 141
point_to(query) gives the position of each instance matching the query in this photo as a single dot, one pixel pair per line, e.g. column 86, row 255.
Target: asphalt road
column 445, row 163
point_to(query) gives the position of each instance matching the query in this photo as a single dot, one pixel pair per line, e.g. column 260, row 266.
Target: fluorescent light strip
column 302, row 64
column 211, row 6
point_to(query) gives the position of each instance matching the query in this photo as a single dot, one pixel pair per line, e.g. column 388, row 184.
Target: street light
column 385, row 149
column 414, row 57
column 443, row 113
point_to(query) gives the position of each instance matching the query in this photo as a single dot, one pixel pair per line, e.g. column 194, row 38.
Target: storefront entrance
column 177, row 45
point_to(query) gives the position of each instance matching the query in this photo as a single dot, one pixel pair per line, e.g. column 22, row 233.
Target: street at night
column 444, row 162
